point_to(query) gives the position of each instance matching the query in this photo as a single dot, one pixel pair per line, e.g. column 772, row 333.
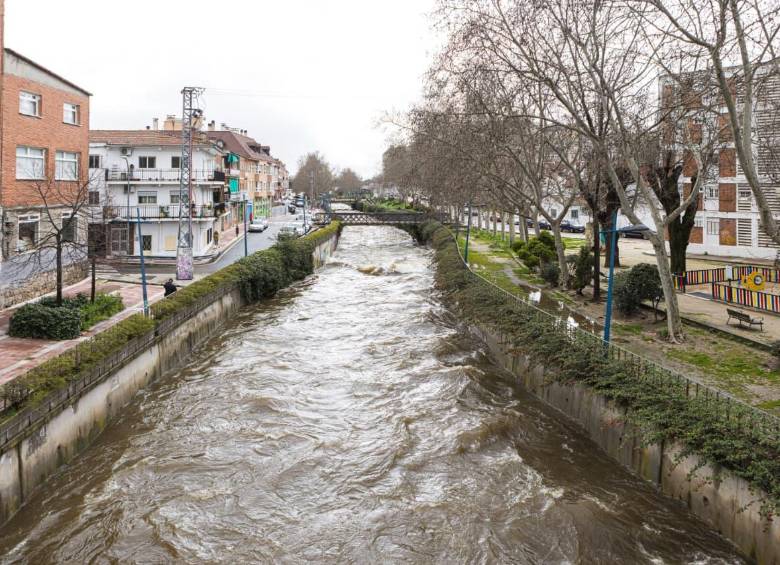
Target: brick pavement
column 19, row 355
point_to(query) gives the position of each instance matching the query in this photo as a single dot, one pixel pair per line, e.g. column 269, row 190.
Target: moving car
column 292, row 209
column 258, row 225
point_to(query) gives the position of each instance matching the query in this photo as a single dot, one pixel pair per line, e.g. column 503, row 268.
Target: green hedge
column 46, row 320
column 258, row 276
column 660, row 408
column 39, row 321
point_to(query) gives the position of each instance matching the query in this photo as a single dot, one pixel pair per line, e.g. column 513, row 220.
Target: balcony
column 163, row 175
column 157, row 212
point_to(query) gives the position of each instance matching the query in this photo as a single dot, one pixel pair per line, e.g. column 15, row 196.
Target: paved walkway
column 20, row 355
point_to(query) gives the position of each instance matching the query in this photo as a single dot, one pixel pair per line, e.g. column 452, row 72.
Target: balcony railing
column 157, row 212
column 164, row 175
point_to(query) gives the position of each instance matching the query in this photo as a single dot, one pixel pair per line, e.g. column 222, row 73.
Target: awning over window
column 233, row 185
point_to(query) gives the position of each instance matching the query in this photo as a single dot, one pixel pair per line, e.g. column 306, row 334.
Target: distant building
column 138, row 172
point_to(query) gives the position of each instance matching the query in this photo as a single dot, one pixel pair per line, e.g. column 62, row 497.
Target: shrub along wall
column 259, row 275
column 660, row 408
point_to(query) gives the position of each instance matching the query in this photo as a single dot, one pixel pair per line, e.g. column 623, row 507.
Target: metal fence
column 745, row 297
column 707, row 276
column 655, row 375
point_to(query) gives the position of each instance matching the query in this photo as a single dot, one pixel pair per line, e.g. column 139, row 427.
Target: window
column 30, row 162
column 146, row 242
column 713, row 227
column 70, row 114
column 94, row 197
column 712, row 192
column 553, row 212
column 68, row 227
column 147, row 197
column 66, row 166
column 575, row 214
column 174, row 197
column 698, row 222
column 94, row 161
column 147, row 162
column 176, row 162
column 28, row 232
column 744, row 192
column 29, row 104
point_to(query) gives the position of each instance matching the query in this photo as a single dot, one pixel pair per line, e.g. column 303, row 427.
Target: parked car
column 291, row 230
column 258, row 225
column 637, row 230
column 544, row 225
column 292, row 209
column 572, row 228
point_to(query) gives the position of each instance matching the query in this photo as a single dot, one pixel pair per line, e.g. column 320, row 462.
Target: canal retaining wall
column 726, row 502
column 39, row 446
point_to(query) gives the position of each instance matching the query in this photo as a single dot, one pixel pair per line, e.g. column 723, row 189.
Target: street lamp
column 612, row 245
column 468, row 233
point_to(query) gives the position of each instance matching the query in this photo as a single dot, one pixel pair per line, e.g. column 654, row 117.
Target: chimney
column 211, row 125
column 155, row 124
column 148, row 127
column 223, row 125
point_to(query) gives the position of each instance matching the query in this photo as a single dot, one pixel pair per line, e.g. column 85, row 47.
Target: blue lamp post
column 612, row 244
column 143, row 266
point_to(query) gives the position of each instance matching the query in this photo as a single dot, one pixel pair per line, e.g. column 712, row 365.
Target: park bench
column 743, row 318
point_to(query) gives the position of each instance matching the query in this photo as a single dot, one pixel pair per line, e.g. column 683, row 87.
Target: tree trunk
column 673, row 321
column 92, row 288
column 511, row 228
column 495, row 222
column 678, row 248
column 503, row 225
column 479, row 219
column 596, row 258
column 58, row 254
column 560, row 249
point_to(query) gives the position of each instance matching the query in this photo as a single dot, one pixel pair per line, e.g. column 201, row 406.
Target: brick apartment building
column 44, row 140
column 727, row 220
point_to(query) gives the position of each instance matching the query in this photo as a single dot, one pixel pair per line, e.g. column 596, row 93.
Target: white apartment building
column 137, row 173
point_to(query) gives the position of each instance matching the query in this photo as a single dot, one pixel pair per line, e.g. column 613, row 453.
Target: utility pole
column 143, row 267
column 190, row 115
column 128, row 175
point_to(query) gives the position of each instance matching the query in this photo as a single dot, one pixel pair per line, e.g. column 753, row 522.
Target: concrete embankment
column 41, row 446
column 723, row 500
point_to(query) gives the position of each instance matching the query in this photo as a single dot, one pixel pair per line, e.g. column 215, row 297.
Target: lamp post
column 246, row 233
column 612, row 244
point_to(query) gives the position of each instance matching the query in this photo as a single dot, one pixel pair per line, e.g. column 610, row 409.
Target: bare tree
column 57, row 238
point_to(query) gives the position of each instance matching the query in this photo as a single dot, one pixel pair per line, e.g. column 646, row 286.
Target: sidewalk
column 20, row 355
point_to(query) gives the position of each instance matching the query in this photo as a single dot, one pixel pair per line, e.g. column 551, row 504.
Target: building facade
column 44, row 142
column 727, row 220
column 137, row 173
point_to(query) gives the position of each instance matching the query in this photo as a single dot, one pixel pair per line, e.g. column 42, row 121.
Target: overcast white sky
column 311, row 74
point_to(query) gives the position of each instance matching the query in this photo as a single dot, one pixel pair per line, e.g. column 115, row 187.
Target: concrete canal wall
column 43, row 447
column 720, row 498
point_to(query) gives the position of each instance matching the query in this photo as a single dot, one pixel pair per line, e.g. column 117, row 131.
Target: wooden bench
column 744, row 318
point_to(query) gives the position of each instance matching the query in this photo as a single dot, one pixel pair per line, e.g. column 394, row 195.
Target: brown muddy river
column 350, row 420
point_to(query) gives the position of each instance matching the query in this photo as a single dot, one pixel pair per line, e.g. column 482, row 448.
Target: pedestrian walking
column 169, row 287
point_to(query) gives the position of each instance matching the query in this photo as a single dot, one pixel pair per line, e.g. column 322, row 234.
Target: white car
column 293, row 229
column 258, row 224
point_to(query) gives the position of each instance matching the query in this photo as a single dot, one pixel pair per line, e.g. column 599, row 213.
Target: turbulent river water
column 351, row 419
